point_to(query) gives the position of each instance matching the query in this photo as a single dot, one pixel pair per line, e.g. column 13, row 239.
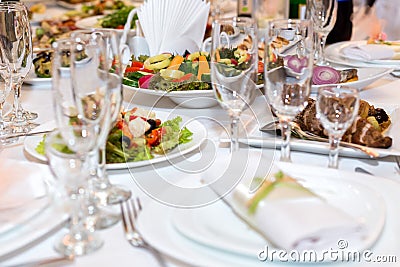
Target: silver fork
column 130, row 210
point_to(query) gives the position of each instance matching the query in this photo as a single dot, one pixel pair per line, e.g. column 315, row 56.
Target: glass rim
column 338, row 89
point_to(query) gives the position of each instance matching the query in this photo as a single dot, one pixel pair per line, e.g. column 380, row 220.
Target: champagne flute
column 108, row 193
column 337, row 107
column 5, row 88
column 288, row 72
column 80, row 93
column 67, row 150
column 323, row 14
column 16, row 51
column 234, row 67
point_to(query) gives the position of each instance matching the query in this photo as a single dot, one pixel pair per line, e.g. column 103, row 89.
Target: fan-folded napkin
column 368, row 52
column 173, row 25
column 294, row 220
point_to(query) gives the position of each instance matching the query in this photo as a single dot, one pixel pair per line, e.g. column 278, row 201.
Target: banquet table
column 117, row 251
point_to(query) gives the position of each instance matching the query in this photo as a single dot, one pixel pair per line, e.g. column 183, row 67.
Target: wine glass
column 323, row 14
column 288, row 72
column 80, row 95
column 67, row 150
column 337, row 107
column 16, row 51
column 5, row 88
column 108, row 193
column 234, row 67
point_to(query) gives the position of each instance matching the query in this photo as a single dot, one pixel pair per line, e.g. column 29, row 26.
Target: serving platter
column 252, row 136
column 196, row 127
column 366, row 76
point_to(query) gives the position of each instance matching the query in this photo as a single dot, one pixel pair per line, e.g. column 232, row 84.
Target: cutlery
column 362, row 170
column 130, row 211
column 397, row 158
column 296, row 129
column 47, row 262
column 16, row 135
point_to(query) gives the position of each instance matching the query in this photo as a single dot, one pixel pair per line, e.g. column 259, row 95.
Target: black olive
column 126, row 141
column 153, row 125
column 380, row 115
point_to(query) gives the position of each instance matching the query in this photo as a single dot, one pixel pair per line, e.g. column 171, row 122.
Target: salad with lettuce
column 138, row 135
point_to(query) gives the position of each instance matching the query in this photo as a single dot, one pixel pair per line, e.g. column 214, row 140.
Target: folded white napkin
column 166, row 22
column 20, row 183
column 368, row 52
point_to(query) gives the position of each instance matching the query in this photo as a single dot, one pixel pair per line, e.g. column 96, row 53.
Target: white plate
column 47, row 221
column 92, row 23
column 165, row 237
column 204, row 225
column 333, row 54
column 197, row 128
column 32, row 79
column 366, row 76
column 188, row 99
column 256, row 138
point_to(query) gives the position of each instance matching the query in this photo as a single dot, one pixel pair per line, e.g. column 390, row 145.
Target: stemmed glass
column 82, row 86
column 323, row 14
column 337, row 107
column 288, row 72
column 107, row 193
column 16, row 52
column 67, row 152
column 5, row 88
column 234, row 67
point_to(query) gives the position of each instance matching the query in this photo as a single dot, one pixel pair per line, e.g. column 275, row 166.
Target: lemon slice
column 171, row 74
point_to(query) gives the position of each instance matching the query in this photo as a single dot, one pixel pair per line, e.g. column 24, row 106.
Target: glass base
column 30, row 115
column 99, row 218
column 7, row 141
column 112, row 195
column 23, row 127
column 78, row 244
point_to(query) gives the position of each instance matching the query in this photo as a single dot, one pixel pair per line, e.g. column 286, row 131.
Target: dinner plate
column 254, row 137
column 334, row 55
column 366, row 76
column 92, row 23
column 169, row 241
column 196, row 127
column 204, row 225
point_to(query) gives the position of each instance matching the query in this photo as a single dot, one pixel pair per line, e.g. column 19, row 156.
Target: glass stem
column 18, row 112
column 333, row 151
column 234, row 134
column 76, row 215
column 321, row 46
column 285, row 147
column 1, row 118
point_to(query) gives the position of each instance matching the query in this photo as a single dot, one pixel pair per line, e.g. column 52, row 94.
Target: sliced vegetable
column 325, row 75
column 171, row 74
column 176, row 62
column 158, row 62
column 295, row 63
column 144, row 81
column 203, row 67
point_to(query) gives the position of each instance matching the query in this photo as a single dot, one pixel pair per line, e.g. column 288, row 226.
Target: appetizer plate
column 256, row 138
column 32, row 79
column 166, row 238
column 202, row 224
column 188, row 99
column 333, row 54
column 197, row 128
column 366, row 76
